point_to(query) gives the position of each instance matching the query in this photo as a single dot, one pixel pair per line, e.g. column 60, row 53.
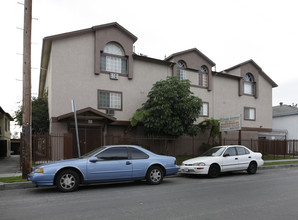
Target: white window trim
column 115, row 100
column 204, row 111
column 181, row 74
column 252, row 114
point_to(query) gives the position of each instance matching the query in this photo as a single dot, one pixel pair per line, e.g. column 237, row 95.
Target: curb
column 277, row 166
column 26, row 185
column 18, row 185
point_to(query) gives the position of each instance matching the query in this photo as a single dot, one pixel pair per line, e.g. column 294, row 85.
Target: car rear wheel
column 214, row 171
column 154, row 175
column 252, row 168
column 67, row 181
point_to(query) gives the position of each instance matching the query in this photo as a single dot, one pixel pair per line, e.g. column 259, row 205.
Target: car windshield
column 90, row 153
column 215, row 151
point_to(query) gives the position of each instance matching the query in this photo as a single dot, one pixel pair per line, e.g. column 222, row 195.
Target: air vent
column 114, row 76
column 110, row 112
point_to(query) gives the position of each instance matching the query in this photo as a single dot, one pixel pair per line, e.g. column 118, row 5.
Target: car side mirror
column 226, row 155
column 93, row 160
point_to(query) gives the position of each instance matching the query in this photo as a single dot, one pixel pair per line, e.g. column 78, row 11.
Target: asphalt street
column 269, row 194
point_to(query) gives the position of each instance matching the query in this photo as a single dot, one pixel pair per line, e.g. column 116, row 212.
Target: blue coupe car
column 105, row 164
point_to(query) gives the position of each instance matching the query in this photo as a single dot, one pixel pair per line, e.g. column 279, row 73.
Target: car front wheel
column 252, row 168
column 154, row 175
column 67, row 181
column 214, row 171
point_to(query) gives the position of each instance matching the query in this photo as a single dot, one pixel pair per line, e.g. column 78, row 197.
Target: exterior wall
column 228, row 102
column 263, row 104
column 73, row 78
column 206, row 96
column 146, row 74
column 48, row 89
column 73, row 74
column 235, row 72
column 194, row 61
column 111, row 34
column 288, row 123
column 5, row 133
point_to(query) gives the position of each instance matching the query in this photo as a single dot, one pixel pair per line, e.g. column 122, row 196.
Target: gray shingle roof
column 284, row 110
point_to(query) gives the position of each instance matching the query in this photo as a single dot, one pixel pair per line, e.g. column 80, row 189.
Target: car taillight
column 175, row 162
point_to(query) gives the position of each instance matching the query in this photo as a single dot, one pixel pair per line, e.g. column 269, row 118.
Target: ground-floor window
column 204, row 109
column 109, row 100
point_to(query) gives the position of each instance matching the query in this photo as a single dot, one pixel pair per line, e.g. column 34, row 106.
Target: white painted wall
column 289, row 123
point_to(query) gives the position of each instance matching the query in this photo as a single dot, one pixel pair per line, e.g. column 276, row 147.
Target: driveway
column 10, row 166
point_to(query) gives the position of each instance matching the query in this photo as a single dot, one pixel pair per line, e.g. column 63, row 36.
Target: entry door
column 89, row 139
column 3, row 148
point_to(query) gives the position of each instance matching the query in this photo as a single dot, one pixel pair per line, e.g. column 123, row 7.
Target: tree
column 213, row 126
column 40, row 115
column 171, row 109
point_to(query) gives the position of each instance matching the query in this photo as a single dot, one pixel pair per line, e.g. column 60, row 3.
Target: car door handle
column 128, row 162
column 249, row 157
column 236, row 158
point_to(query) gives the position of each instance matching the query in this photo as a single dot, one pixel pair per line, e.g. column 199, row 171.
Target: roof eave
column 190, row 50
column 273, row 84
column 71, row 114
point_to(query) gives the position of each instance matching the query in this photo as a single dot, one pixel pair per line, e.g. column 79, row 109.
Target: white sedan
column 223, row 159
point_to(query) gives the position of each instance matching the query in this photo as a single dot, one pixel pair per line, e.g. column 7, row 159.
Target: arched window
column 204, row 69
column 114, row 48
column 113, row 59
column 203, row 76
column 181, row 73
column 181, row 64
column 249, row 84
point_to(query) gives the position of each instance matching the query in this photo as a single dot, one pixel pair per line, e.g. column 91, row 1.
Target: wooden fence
column 46, row 148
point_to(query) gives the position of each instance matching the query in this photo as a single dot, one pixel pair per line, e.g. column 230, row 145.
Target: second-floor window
column 203, row 76
column 249, row 84
column 113, row 59
column 249, row 113
column 181, row 73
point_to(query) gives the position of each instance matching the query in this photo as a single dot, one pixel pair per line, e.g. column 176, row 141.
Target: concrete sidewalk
column 283, row 160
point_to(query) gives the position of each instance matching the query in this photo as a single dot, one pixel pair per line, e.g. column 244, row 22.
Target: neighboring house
column 97, row 67
column 285, row 117
column 5, row 144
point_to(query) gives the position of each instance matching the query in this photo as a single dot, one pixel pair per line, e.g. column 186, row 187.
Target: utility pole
column 26, row 128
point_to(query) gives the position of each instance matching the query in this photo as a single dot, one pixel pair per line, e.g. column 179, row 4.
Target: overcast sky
column 229, row 32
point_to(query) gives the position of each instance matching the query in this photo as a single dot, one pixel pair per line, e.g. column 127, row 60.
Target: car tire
column 213, row 171
column 154, row 175
column 67, row 181
column 252, row 168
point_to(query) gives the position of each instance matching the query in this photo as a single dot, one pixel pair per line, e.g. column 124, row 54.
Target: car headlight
column 39, row 170
column 199, row 164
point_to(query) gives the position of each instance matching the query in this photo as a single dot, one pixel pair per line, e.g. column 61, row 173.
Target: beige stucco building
column 97, row 67
column 5, row 142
